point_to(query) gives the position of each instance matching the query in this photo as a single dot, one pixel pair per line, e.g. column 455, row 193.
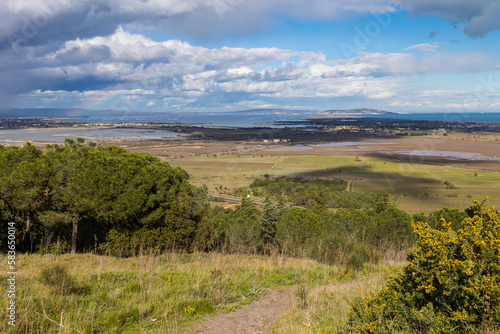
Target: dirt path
column 279, row 161
column 257, row 317
column 348, row 187
column 253, row 318
column 435, row 177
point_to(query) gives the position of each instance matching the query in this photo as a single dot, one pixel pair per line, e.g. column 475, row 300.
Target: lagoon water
column 472, row 117
column 233, row 119
column 57, row 135
column 249, row 119
column 204, row 119
column 365, row 146
column 353, row 143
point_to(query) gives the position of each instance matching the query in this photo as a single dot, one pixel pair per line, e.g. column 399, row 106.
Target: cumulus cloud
column 479, row 16
column 404, row 104
column 123, row 57
column 139, row 71
column 404, row 64
column 83, row 50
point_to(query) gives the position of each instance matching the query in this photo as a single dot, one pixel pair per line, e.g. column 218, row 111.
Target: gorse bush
column 452, row 282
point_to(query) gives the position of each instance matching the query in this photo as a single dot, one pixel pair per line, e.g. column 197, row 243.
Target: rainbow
column 94, row 105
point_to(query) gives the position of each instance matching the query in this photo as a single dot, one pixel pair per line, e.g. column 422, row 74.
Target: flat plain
column 423, row 174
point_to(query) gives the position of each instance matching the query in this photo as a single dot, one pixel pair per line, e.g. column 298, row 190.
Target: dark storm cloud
column 40, row 21
column 479, row 16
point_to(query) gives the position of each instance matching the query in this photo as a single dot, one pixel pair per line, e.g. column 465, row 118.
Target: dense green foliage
column 451, row 284
column 452, row 216
column 86, row 197
column 348, row 237
column 305, row 192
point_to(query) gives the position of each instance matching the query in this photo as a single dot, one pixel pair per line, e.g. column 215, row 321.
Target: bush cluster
column 309, row 192
column 348, row 237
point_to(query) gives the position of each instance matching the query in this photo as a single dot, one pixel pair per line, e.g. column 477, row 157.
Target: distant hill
column 350, row 112
column 263, row 111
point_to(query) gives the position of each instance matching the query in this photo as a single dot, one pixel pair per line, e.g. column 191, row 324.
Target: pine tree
column 269, row 218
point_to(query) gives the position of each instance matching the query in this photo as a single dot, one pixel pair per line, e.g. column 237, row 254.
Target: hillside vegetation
column 163, row 256
column 81, row 197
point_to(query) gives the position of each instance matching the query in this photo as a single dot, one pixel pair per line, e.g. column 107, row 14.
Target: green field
column 415, row 187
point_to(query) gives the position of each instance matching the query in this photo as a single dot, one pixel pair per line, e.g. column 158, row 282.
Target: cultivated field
column 416, row 186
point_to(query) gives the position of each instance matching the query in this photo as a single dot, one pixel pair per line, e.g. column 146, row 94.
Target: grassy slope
column 152, row 294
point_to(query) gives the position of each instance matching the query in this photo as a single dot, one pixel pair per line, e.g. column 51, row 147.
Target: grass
column 417, row 187
column 230, row 171
column 148, row 294
column 327, row 307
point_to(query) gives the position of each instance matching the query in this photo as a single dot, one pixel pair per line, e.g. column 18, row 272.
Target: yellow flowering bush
column 451, row 283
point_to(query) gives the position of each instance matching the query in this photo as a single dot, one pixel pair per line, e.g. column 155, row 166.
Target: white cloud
column 460, row 105
column 404, row 104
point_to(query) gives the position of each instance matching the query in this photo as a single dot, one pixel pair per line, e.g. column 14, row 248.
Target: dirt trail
column 349, row 185
column 435, row 177
column 257, row 317
column 253, row 318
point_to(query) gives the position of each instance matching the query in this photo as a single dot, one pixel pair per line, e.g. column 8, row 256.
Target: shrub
column 193, row 307
column 118, row 243
column 239, row 230
column 452, row 282
column 450, row 185
column 58, row 278
column 344, row 251
column 296, row 231
column 241, row 192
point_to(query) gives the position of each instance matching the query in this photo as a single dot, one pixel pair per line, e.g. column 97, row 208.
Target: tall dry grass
column 150, row 293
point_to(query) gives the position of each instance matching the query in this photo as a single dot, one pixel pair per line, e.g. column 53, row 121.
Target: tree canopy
column 76, row 194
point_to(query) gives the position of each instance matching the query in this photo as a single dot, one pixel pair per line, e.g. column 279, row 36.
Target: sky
column 409, row 56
